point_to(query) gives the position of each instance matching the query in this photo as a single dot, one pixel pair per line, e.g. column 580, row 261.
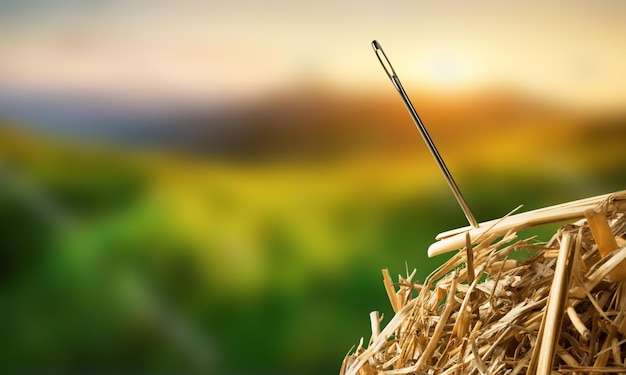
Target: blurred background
column 204, row 187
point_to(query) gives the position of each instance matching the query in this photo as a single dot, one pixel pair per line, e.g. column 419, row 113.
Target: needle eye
column 384, row 61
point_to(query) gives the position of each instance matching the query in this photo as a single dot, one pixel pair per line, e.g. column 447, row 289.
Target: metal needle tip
column 386, row 64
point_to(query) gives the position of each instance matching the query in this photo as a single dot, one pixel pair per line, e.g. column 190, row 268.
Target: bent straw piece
column 578, row 324
column 589, row 202
column 455, row 238
column 603, row 235
column 601, row 231
column 478, row 362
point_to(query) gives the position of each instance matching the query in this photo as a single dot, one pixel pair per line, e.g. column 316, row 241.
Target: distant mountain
column 94, row 117
column 319, row 121
column 295, row 122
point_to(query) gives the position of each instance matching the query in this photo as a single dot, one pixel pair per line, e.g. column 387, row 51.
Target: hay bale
column 560, row 310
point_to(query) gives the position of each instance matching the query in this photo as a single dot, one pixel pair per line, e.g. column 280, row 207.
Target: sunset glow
column 569, row 52
column 212, row 187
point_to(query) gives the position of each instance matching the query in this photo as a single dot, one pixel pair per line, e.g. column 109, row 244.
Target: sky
column 568, row 51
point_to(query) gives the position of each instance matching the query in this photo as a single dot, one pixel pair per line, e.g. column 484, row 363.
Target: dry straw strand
column 484, row 313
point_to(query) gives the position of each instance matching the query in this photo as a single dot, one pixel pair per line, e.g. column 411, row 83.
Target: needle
column 384, row 61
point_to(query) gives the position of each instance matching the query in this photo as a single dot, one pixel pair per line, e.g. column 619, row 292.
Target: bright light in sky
column 445, row 71
column 569, row 51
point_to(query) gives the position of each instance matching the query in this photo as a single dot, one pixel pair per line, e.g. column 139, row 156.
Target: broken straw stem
column 384, row 61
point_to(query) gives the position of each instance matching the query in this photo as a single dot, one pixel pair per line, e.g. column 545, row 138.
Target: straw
column 484, row 313
column 454, row 239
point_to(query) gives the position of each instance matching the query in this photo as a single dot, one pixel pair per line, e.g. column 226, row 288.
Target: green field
column 122, row 260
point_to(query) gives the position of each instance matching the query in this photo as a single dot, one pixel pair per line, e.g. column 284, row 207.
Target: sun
column 445, row 72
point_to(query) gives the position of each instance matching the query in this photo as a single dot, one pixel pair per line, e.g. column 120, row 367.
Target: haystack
column 560, row 310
